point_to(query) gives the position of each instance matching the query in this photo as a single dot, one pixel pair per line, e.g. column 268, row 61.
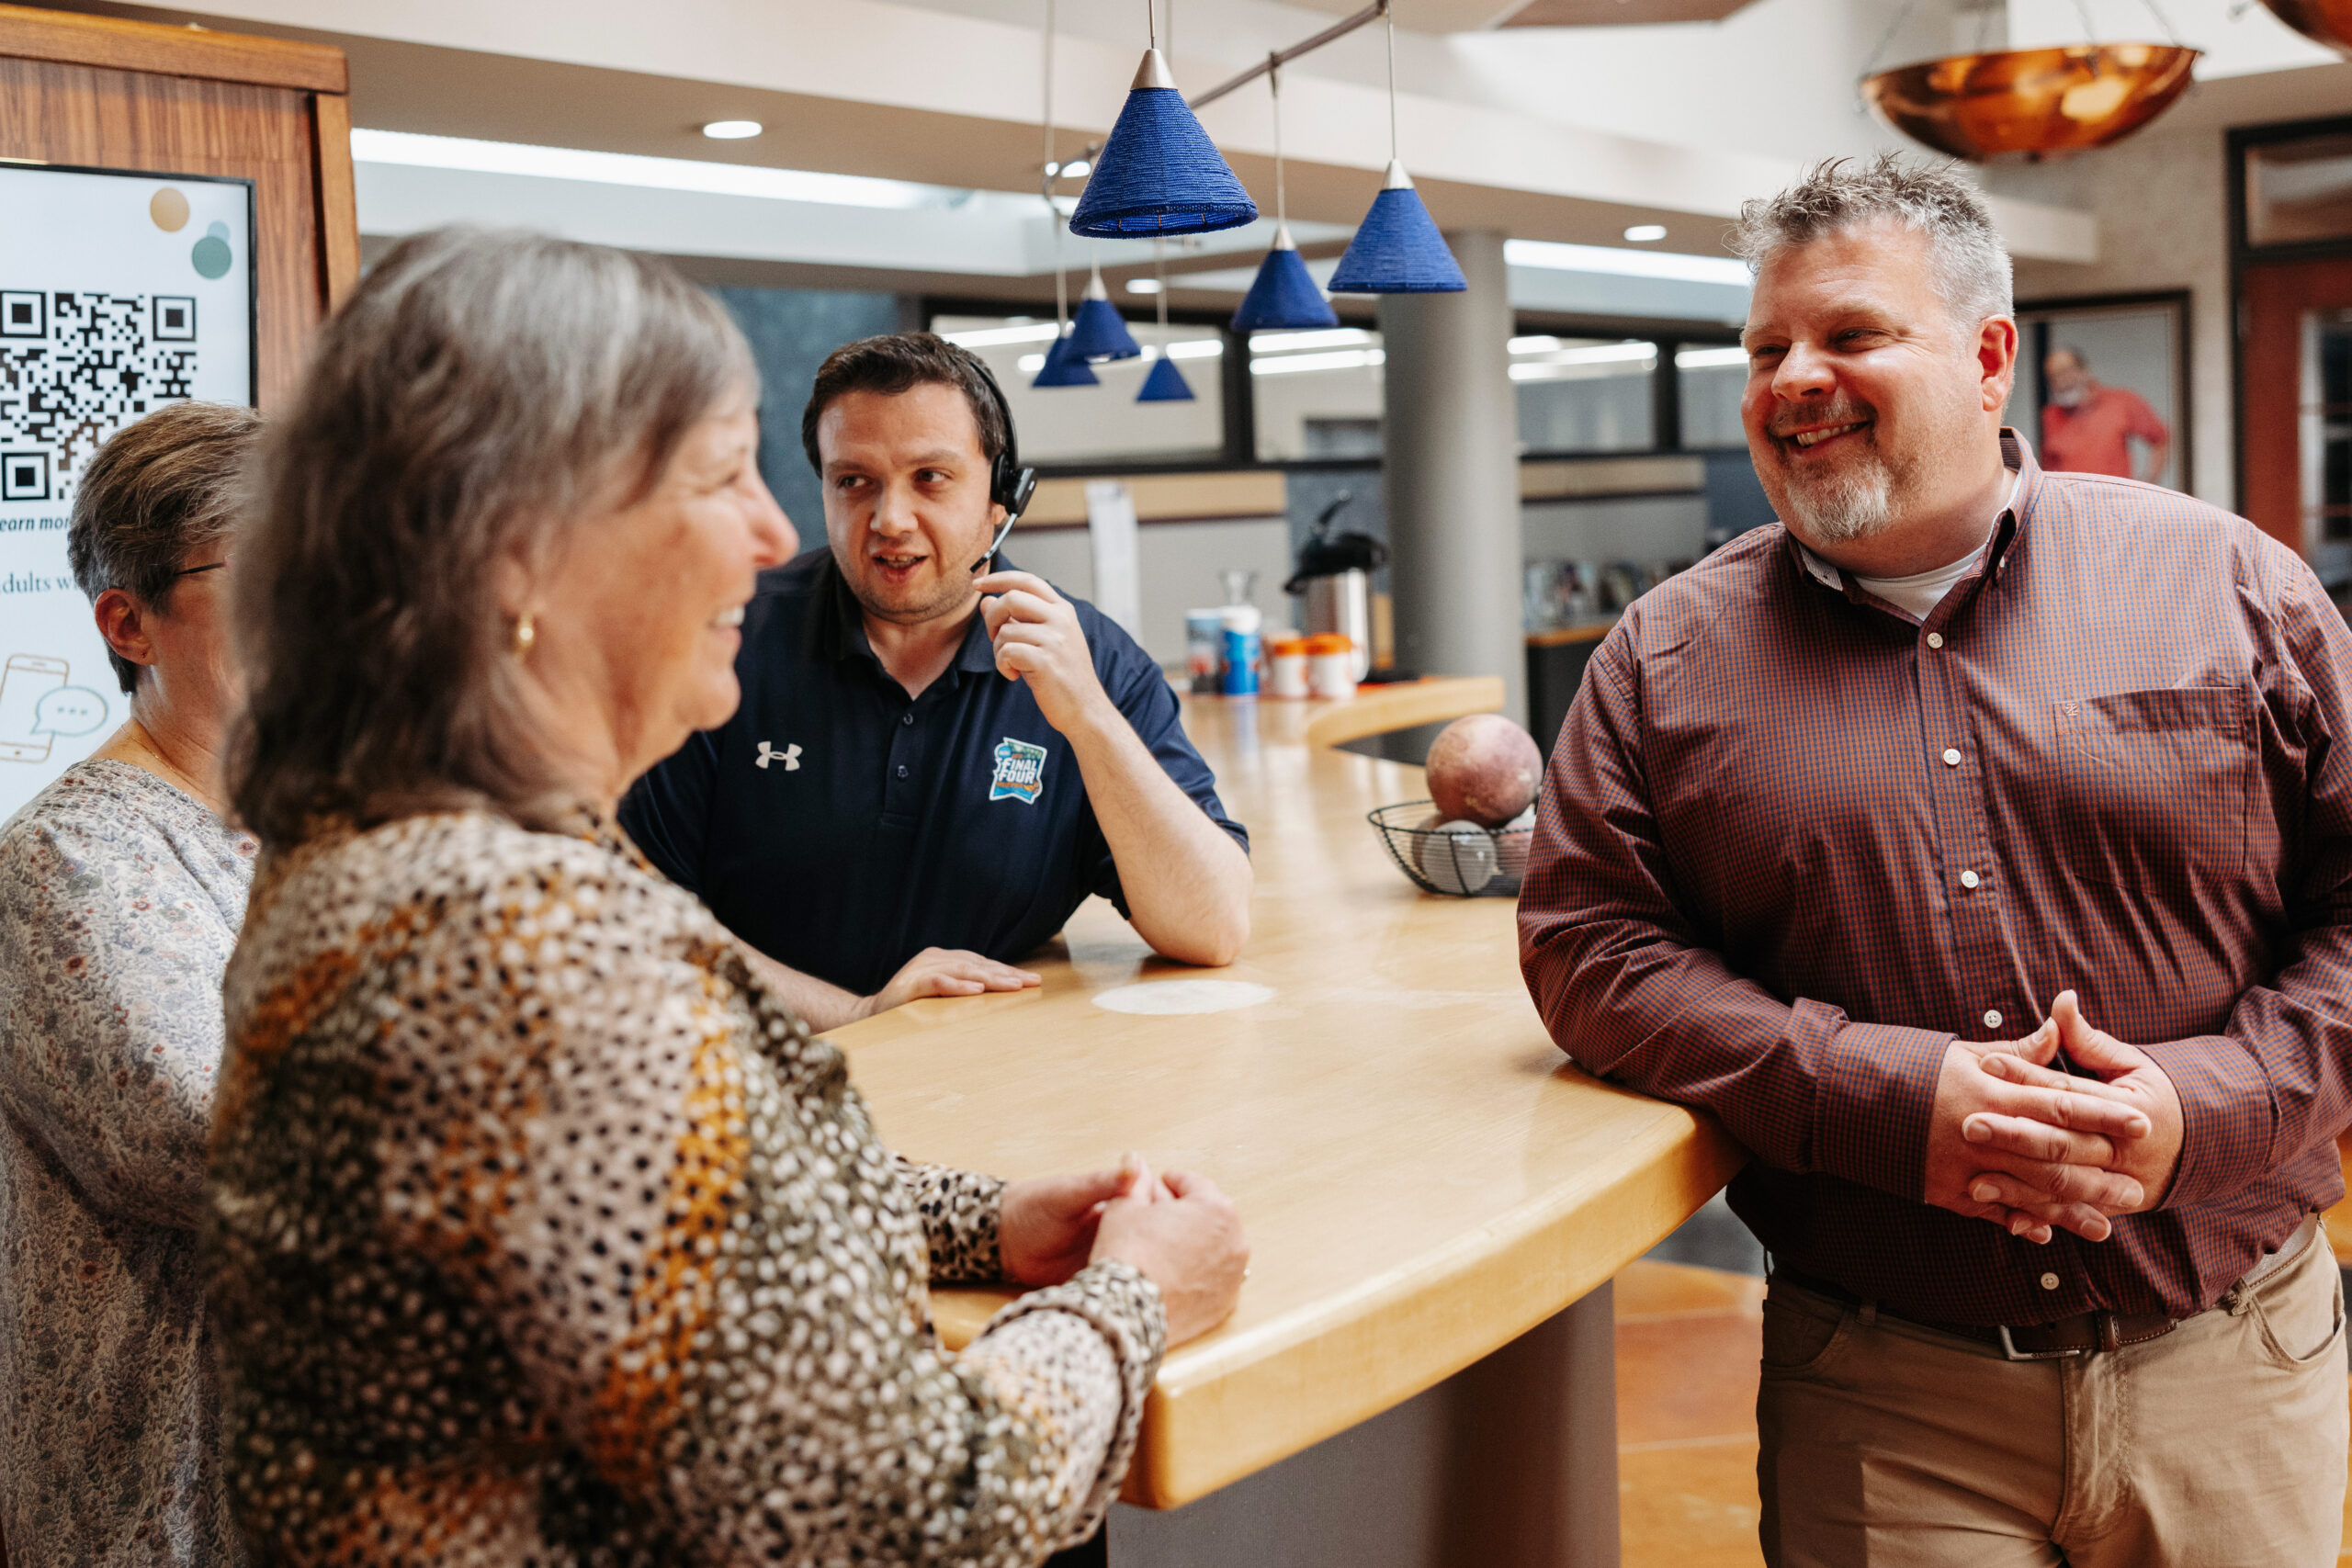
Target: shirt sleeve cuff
column 1875, row 1098
column 2228, row 1122
column 1122, row 1305
column 962, row 1217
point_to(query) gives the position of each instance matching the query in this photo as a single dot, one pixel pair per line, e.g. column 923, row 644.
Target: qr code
column 75, row 366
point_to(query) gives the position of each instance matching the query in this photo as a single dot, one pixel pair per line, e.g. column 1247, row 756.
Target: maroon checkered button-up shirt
column 1792, row 842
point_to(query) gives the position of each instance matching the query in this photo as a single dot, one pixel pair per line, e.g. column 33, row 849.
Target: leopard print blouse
column 539, row 1233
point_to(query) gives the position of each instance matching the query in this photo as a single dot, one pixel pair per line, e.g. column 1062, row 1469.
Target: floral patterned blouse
column 119, row 901
column 540, row 1233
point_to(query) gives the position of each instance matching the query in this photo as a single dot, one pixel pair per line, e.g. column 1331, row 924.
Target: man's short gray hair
column 1928, row 196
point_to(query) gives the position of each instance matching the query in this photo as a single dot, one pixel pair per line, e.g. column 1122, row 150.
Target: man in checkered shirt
column 1976, row 844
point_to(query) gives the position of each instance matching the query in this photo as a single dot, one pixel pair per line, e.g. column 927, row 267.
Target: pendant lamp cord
column 1274, row 83
column 1046, row 187
column 1389, row 15
column 1870, row 66
column 2172, row 35
column 1151, row 20
column 1159, row 271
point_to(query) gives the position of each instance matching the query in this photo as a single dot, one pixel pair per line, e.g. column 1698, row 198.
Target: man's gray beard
column 1840, row 508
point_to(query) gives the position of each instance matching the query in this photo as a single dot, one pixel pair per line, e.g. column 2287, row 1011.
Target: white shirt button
column 1935, row 639
column 2050, row 1281
column 1993, row 1018
column 1952, row 757
column 1968, row 879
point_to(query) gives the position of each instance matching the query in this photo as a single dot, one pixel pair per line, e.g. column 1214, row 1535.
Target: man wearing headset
column 936, row 758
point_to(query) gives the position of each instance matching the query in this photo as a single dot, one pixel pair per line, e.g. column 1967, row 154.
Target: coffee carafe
column 1334, row 578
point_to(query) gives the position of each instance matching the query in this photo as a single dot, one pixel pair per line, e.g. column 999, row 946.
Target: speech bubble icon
column 69, row 710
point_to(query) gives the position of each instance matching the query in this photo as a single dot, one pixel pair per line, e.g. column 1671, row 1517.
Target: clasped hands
column 2031, row 1148
column 1175, row 1228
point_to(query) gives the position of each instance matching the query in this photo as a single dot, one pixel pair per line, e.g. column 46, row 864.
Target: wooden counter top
column 1423, row 1174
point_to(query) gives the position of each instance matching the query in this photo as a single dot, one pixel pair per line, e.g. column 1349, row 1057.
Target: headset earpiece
column 1010, row 484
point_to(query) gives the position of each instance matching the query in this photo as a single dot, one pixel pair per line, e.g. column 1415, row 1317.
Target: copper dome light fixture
column 2035, row 101
column 2322, row 21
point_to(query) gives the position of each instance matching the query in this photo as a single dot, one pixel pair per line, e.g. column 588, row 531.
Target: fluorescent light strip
column 1329, row 337
column 990, row 337
column 1183, row 349
column 630, row 169
column 1553, row 257
column 1711, row 358
column 1602, row 353
column 1553, row 370
column 1346, row 359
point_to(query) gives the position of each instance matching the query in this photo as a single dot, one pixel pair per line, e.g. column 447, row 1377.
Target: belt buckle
column 2009, row 1349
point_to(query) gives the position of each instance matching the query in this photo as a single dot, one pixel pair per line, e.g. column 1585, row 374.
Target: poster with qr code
column 119, row 293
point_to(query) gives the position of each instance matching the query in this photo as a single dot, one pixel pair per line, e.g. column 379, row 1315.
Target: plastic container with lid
column 1286, row 665
column 1241, row 650
column 1330, row 665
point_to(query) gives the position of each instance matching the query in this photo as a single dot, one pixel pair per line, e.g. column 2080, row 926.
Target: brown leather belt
column 2081, row 1335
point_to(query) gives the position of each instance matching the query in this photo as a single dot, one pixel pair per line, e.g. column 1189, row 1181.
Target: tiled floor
column 1687, row 1342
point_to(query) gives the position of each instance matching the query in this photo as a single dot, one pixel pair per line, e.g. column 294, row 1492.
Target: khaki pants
column 2220, row 1445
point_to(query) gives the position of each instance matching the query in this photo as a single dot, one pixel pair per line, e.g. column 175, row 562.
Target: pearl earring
column 526, row 632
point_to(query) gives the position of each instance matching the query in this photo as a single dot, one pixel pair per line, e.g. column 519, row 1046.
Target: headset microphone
column 1010, row 484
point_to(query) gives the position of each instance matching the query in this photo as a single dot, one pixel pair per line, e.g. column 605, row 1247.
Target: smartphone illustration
column 24, row 681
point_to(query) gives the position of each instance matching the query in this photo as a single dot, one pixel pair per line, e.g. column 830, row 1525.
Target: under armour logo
column 790, row 757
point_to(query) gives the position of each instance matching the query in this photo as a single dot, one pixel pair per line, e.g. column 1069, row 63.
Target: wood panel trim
column 338, row 201
column 1171, row 498
column 103, row 41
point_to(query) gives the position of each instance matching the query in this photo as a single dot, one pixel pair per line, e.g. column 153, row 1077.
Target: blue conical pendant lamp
column 1159, row 173
column 1284, row 293
column 1064, row 368
column 1061, row 368
column 1397, row 249
column 1099, row 332
column 1166, row 384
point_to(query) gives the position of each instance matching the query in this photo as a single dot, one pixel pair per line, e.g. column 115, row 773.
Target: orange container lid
column 1330, row 642
column 1279, row 646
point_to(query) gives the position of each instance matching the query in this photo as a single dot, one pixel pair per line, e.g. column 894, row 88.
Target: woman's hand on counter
column 1046, row 1225
column 1184, row 1235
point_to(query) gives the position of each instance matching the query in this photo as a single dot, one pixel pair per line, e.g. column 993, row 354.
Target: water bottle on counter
column 1240, row 627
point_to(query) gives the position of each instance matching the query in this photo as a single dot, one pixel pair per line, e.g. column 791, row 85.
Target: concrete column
column 1449, row 459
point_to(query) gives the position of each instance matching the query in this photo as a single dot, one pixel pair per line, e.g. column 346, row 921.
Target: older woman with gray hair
column 540, row 1230
column 122, row 891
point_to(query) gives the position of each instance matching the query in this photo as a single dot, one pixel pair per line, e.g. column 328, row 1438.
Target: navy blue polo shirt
column 841, row 827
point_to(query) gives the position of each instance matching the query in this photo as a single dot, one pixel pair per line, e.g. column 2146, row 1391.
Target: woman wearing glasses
column 121, row 893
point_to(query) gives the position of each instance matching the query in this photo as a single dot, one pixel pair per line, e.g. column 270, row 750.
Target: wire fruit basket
column 1462, row 861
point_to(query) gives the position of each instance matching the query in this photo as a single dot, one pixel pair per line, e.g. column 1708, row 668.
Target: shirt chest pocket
column 2156, row 786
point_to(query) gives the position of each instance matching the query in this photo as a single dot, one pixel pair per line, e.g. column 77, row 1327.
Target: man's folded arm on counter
column 1625, row 987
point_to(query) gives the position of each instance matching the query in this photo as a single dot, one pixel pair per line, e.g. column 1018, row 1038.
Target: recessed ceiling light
column 731, row 129
column 1642, row 233
column 1143, row 285
column 1077, row 169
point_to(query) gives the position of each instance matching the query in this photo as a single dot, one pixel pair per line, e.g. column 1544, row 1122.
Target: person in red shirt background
column 2086, row 426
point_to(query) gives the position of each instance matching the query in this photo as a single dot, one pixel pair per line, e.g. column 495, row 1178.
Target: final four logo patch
column 1020, row 771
